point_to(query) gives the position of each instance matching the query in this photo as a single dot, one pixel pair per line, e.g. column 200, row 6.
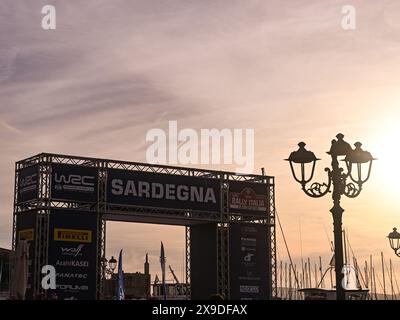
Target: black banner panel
column 73, row 182
column 203, row 261
column 163, row 190
column 248, row 198
column 26, row 230
column 73, row 253
column 28, row 184
column 248, row 262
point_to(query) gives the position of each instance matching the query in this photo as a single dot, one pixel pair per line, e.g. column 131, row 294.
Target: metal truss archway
column 187, row 218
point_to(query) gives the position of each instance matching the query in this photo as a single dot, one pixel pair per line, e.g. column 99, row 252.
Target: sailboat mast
column 344, row 247
column 286, row 284
column 397, row 285
column 370, row 272
column 301, row 253
column 320, row 272
column 383, row 274
column 376, row 295
column 391, row 278
column 295, row 284
column 315, row 275
column 290, row 284
column 366, row 275
column 280, row 278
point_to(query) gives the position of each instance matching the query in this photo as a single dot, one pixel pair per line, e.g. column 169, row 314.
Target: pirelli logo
column 26, row 234
column 73, row 235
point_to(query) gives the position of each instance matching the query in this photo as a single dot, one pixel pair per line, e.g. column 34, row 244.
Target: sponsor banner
column 72, row 275
column 248, row 261
column 73, row 253
column 72, row 263
column 28, row 184
column 26, row 234
column 25, row 230
column 72, row 235
column 162, row 190
column 72, row 182
column 248, row 198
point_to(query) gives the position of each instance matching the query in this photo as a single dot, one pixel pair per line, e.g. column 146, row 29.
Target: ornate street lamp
column 394, row 240
column 108, row 267
column 339, row 183
column 112, row 264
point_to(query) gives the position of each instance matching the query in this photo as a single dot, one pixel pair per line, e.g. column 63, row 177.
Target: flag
column 162, row 261
column 120, row 286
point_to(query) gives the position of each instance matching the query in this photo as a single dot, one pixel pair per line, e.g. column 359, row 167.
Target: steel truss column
column 101, row 238
column 101, row 272
column 272, row 240
column 223, row 260
column 223, row 242
column 42, row 235
column 187, row 253
column 15, row 208
column 41, row 250
column 44, row 181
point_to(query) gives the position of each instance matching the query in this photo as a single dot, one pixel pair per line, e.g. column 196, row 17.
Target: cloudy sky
column 113, row 70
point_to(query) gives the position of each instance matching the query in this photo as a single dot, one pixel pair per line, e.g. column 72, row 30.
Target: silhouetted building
column 4, row 272
column 137, row 285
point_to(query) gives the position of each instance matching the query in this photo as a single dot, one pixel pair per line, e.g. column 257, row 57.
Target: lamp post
column 339, row 183
column 112, row 264
column 108, row 267
column 394, row 240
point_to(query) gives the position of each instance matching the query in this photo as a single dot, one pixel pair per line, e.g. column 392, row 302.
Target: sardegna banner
column 163, row 190
column 73, row 253
column 73, row 182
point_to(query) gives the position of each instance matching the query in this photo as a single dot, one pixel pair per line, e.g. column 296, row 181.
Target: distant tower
column 146, row 265
column 147, row 275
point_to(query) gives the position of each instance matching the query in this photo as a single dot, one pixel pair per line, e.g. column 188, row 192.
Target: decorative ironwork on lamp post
column 339, row 183
column 394, row 240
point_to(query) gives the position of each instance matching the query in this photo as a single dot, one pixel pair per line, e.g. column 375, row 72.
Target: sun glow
column 387, row 169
